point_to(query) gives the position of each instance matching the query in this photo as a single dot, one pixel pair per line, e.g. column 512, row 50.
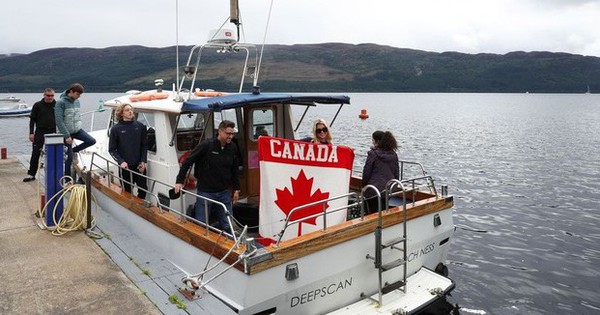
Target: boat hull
column 329, row 278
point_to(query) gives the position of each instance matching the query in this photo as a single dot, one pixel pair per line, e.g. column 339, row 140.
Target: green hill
column 317, row 67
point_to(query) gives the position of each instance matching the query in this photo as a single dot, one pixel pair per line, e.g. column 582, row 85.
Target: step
column 393, row 242
column 392, row 286
column 393, row 264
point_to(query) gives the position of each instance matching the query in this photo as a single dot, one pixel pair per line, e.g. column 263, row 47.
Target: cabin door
column 261, row 122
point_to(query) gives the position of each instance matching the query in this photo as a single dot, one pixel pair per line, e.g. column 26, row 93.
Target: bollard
column 54, row 171
column 3, row 153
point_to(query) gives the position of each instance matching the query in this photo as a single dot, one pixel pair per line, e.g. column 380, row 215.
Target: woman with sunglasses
column 321, row 132
column 380, row 167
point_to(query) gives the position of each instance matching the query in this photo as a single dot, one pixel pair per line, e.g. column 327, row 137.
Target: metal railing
column 151, row 193
column 323, row 213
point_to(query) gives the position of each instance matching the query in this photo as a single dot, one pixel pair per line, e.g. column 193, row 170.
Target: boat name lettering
column 320, row 292
column 421, row 252
column 303, row 151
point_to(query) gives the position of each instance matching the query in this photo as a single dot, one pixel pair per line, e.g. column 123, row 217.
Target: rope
column 74, row 216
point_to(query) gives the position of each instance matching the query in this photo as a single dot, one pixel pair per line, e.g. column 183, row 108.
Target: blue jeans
column 88, row 141
column 215, row 209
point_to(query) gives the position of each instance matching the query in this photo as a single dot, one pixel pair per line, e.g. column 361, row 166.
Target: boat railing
column 191, row 68
column 105, row 165
column 323, row 213
column 419, row 181
column 404, row 165
column 416, row 184
column 99, row 109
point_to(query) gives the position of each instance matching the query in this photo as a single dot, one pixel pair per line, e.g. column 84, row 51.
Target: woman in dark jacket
column 381, row 166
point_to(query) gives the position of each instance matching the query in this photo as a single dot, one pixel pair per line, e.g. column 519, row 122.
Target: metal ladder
column 397, row 243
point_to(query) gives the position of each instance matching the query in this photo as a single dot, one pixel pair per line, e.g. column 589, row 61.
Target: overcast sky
column 468, row 26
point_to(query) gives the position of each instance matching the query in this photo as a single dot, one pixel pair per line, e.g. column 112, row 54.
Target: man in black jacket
column 41, row 122
column 128, row 145
column 216, row 171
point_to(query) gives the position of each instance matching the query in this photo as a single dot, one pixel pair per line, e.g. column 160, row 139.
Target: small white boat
column 11, row 98
column 333, row 258
column 19, row 110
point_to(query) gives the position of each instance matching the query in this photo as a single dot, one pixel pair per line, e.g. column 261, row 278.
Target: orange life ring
column 149, row 97
column 190, row 181
column 210, row 93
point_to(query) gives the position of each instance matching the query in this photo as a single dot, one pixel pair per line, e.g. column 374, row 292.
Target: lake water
column 525, row 173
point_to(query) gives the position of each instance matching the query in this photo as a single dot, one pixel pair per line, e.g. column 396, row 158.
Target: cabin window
column 148, row 120
column 190, row 131
column 263, row 123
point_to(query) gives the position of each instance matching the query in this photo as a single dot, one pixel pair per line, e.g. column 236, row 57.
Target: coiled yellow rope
column 74, row 216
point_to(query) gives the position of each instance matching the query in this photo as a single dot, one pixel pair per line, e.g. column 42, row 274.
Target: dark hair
column 75, row 87
column 377, row 135
column 226, row 124
column 385, row 140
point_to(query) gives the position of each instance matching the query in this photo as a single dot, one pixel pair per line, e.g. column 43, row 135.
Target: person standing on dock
column 41, row 122
column 216, row 170
column 128, row 145
column 67, row 113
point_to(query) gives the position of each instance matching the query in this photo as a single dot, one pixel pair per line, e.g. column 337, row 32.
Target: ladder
column 393, row 187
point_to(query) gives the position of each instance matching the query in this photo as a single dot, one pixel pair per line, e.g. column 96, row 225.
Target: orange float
column 210, row 93
column 363, row 114
column 149, row 97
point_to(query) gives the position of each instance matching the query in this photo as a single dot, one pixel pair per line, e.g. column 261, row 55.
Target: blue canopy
column 219, row 103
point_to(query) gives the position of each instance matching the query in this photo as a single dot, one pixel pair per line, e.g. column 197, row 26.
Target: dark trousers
column 36, row 150
column 371, row 205
column 87, row 141
column 215, row 210
column 135, row 178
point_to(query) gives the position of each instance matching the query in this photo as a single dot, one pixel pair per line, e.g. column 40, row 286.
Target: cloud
column 469, row 26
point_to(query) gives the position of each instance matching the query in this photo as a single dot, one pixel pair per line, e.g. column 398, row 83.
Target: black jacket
column 129, row 142
column 216, row 167
column 42, row 117
column 380, row 167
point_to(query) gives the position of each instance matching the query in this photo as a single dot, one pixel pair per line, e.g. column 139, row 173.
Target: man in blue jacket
column 67, row 113
column 128, row 145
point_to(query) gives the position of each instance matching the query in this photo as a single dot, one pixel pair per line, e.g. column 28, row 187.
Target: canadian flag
column 295, row 173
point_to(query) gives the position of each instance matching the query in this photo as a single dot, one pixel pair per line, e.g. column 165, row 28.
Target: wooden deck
column 270, row 256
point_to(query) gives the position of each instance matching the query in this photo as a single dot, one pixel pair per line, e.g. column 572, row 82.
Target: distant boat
column 18, row 110
column 588, row 90
column 10, row 99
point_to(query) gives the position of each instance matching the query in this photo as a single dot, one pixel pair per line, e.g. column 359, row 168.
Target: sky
column 466, row 26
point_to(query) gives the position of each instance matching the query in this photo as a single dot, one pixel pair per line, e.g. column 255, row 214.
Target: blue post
column 54, row 171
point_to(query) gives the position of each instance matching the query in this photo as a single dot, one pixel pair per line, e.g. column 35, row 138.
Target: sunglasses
column 319, row 130
column 49, row 95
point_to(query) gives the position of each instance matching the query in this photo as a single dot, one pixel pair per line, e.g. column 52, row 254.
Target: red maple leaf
column 300, row 195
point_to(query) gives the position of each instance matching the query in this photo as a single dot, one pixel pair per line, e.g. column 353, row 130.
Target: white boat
column 390, row 262
column 11, row 98
column 18, row 110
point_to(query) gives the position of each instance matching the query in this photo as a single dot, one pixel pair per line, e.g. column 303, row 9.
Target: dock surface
column 45, row 274
column 119, row 273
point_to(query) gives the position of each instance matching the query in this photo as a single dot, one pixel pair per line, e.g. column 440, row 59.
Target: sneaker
column 28, row 179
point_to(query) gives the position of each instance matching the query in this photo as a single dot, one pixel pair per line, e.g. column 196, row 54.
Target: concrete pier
column 45, row 274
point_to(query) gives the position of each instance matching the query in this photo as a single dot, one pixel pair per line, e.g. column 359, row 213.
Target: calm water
column 525, row 173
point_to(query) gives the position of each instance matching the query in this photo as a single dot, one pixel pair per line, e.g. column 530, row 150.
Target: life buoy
column 190, row 181
column 149, row 97
column 210, row 93
column 363, row 114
